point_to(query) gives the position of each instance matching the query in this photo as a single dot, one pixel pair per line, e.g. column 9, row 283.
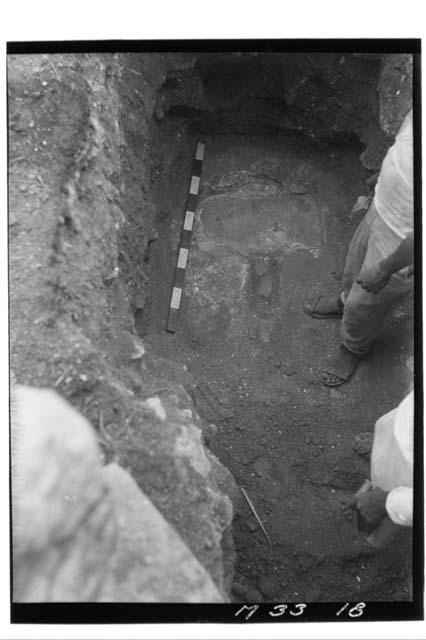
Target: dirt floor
column 273, row 226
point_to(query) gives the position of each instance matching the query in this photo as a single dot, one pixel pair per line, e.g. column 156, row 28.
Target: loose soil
column 255, row 357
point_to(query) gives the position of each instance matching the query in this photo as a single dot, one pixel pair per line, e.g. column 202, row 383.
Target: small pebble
column 269, row 586
column 253, row 595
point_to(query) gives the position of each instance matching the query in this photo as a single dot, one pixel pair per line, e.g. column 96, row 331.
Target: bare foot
column 364, row 443
column 348, row 505
column 340, row 368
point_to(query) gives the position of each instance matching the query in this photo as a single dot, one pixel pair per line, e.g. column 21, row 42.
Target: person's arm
column 399, row 505
column 374, row 278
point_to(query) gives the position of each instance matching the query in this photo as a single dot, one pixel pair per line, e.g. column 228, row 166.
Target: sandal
column 329, row 309
column 341, row 368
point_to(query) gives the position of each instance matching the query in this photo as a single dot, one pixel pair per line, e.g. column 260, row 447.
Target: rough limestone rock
column 151, row 563
column 395, row 91
column 64, row 528
column 190, row 488
column 83, row 532
column 395, row 99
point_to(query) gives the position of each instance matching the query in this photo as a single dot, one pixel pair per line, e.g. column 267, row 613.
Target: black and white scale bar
column 185, row 240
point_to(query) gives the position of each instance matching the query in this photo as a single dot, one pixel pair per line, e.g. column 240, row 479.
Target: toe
column 331, row 379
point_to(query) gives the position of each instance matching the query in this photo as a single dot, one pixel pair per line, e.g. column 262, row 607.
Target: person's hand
column 373, row 279
column 372, row 505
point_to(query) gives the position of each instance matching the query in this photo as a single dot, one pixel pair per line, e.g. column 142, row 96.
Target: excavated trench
column 101, row 150
column 271, row 229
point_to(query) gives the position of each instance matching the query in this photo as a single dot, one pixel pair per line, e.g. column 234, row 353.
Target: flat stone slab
column 250, row 222
column 260, row 224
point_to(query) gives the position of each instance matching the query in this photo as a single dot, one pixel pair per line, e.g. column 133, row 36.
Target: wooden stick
column 250, row 504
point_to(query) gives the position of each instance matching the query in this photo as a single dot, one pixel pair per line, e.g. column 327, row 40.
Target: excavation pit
column 290, row 141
